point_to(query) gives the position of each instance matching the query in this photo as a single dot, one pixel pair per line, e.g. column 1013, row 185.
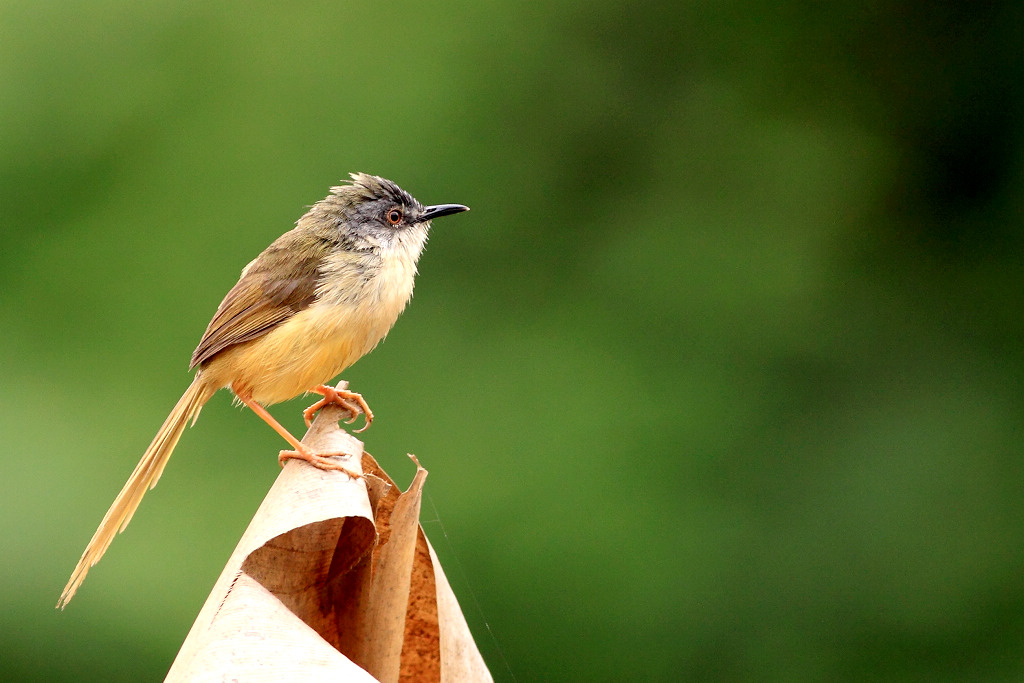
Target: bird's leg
column 301, row 452
column 340, row 395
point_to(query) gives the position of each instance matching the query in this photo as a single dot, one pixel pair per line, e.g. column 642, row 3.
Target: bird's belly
column 308, row 349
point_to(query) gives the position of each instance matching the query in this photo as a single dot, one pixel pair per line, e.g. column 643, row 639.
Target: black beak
column 432, row 212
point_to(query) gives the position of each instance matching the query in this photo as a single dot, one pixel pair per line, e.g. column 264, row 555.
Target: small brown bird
column 314, row 302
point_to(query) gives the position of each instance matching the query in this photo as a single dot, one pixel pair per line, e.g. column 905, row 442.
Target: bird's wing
column 278, row 284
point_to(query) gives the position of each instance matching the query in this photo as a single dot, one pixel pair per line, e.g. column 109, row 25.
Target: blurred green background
column 719, row 380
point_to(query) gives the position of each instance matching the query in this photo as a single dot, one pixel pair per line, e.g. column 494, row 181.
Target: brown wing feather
column 278, row 284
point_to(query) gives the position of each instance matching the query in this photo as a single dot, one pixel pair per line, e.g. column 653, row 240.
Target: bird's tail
column 145, row 476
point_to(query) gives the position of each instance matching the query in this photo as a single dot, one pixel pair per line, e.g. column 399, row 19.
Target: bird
column 320, row 297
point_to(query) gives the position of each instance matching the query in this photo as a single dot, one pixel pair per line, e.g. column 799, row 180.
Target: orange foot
column 318, row 461
column 340, row 395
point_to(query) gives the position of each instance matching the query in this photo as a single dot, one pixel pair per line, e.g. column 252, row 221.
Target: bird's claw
column 350, row 401
column 319, row 461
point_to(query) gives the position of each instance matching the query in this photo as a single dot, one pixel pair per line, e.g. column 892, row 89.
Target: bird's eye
column 394, row 216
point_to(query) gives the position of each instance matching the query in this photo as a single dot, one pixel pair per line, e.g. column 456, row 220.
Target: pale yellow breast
column 316, row 344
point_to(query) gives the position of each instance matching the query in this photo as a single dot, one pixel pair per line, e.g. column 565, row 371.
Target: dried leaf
column 334, row 579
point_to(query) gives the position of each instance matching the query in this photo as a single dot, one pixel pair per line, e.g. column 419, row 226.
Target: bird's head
column 378, row 212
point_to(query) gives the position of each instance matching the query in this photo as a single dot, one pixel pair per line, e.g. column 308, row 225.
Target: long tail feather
column 145, row 476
